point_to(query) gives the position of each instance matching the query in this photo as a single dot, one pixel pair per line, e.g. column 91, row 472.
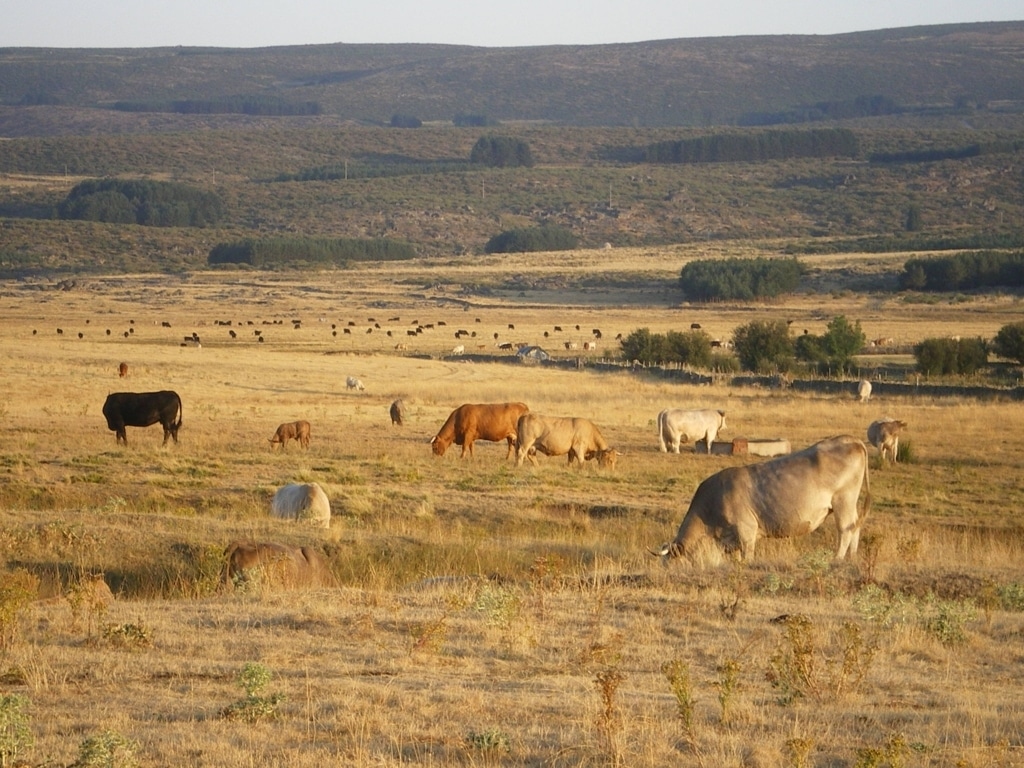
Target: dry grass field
column 484, row 615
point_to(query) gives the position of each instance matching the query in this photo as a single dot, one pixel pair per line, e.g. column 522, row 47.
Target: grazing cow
column 397, row 411
column 268, row 564
column 305, row 502
column 142, row 409
column 291, row 430
column 779, row 498
column 571, row 345
column 676, row 425
column 122, row 370
column 459, row 349
column 579, row 439
column 590, row 346
column 353, row 383
column 884, row 434
column 470, row 422
column 864, row 390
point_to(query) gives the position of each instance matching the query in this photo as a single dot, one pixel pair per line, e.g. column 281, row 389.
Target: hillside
column 682, row 82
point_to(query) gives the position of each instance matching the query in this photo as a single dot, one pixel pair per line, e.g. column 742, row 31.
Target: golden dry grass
column 481, row 604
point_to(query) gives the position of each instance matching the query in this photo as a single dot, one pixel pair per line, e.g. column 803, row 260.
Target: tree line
column 964, row 271
column 300, row 251
column 755, row 146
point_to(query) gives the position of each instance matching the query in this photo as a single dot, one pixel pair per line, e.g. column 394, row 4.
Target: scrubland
column 484, row 614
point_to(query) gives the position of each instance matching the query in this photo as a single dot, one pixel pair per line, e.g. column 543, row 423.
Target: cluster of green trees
column 150, row 203
column 944, row 357
column 264, row 106
column 548, row 237
column 755, row 147
column 501, row 152
column 689, row 348
column 294, row 251
column 1009, row 342
column 964, row 271
column 833, row 351
column 742, row 279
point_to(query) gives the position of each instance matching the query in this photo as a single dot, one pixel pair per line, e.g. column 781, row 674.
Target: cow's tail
column 867, row 486
column 181, row 414
column 661, row 432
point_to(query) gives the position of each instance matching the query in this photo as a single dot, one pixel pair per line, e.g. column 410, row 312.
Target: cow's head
column 438, row 446
column 607, row 458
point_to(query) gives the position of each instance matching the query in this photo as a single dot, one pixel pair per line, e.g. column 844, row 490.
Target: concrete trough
column 743, row 446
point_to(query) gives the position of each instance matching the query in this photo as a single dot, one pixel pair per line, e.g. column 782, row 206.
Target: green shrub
column 964, row 271
column 743, row 279
column 834, row 350
column 107, row 749
column 1009, row 342
column 945, row 357
column 527, row 239
column 764, row 346
column 687, row 348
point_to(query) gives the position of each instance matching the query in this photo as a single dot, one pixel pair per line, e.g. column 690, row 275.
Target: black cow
column 141, row 409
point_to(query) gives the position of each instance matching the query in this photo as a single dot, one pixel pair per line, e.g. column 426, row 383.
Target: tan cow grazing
column 304, row 502
column 479, row 421
column 269, row 564
column 884, row 434
column 397, row 412
column 579, row 439
column 122, row 370
column 291, row 430
column 864, row 390
column 676, row 425
column 779, row 498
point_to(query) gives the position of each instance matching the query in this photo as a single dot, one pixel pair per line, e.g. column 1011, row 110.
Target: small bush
column 15, row 734
column 764, row 346
column 255, row 707
column 501, row 152
column 1009, row 342
column 107, row 749
column 945, row 357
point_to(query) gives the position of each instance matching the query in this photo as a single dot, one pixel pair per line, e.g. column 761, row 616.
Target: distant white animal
column 353, row 383
column 304, row 502
column 884, row 434
column 459, row 349
column 676, row 425
column 864, row 390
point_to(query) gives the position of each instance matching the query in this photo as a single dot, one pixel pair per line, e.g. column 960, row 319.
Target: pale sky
column 259, row 23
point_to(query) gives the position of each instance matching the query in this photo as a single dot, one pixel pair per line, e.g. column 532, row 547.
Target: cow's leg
column 511, row 447
column 121, row 436
column 676, row 439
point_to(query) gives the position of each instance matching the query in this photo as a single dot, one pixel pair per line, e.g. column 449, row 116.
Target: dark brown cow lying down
column 269, row 564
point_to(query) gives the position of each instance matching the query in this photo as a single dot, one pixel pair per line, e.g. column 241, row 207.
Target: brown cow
column 479, row 421
column 122, row 370
column 397, row 411
column 580, row 439
column 248, row 564
column 292, row 430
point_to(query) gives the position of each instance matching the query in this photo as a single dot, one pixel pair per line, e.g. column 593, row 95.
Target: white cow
column 676, row 425
column 353, row 383
column 305, row 502
column 780, row 498
column 884, row 434
column 864, row 390
column 459, row 349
